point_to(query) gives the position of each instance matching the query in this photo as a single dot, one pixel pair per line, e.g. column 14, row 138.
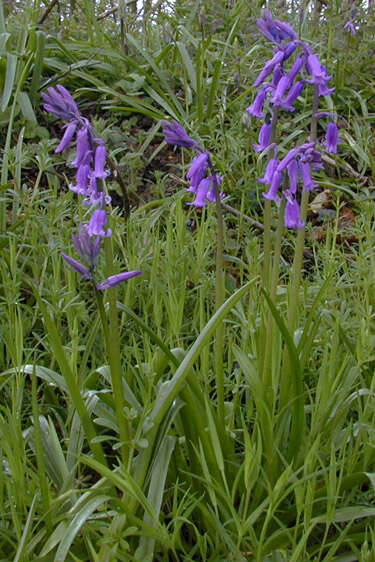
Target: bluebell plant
column 90, row 162
column 204, row 184
column 203, row 178
column 280, row 84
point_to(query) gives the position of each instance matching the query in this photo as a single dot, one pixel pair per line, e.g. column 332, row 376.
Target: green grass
column 141, row 467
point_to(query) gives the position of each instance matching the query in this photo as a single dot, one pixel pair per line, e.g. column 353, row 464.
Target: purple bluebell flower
column 295, row 68
column 270, row 170
column 60, row 102
column 332, row 138
column 176, row 135
column 307, row 182
column 275, row 30
column 215, row 180
column 97, row 223
column 277, row 98
column 256, row 107
column 289, row 49
column 99, row 162
column 263, row 137
column 70, row 130
column 114, row 280
column 292, row 95
column 201, row 193
column 77, row 266
column 349, row 26
column 319, row 74
column 82, row 180
column 197, row 170
column 272, row 194
column 292, row 213
column 293, row 176
column 269, row 67
column 87, row 246
column 84, row 148
column 288, row 158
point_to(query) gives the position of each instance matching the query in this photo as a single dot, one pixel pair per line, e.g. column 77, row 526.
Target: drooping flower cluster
column 204, row 181
column 279, row 88
column 90, row 159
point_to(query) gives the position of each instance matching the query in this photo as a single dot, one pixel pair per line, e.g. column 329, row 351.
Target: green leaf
column 9, row 80
column 76, row 524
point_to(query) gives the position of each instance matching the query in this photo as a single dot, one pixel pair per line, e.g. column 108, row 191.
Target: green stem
column 112, row 341
column 219, row 342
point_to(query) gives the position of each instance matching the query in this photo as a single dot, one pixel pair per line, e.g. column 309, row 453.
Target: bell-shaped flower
column 68, row 136
column 82, row 180
column 97, row 223
column 197, row 170
column 269, row 67
column 87, row 246
column 275, row 30
column 349, row 26
column 201, row 193
column 114, row 280
column 283, row 85
column 175, row 134
column 307, row 182
column 77, row 266
column 215, row 181
column 99, row 162
column 263, row 137
column 292, row 212
column 60, row 102
column 272, row 193
column 84, row 148
column 270, row 170
column 319, row 74
column 332, row 138
column 293, row 176
column 290, row 98
column 257, row 106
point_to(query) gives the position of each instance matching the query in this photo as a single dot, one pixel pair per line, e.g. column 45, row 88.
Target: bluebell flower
column 263, row 138
column 176, row 135
column 275, row 30
column 332, row 138
column 349, row 26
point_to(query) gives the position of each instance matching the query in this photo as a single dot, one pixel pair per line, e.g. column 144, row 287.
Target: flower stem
column 112, row 341
column 219, row 364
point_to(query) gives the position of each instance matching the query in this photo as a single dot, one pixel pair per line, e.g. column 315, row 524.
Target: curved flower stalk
column 281, row 83
column 204, row 180
column 90, row 162
column 204, row 183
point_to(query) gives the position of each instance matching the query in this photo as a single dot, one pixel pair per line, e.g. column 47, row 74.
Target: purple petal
column 268, row 67
column 197, row 170
column 114, row 280
column 97, row 223
column 100, row 158
column 256, row 107
column 270, row 170
column 84, row 149
column 293, row 176
column 308, row 182
column 292, row 217
column 176, row 134
column 77, row 266
column 275, row 184
column 87, row 247
column 67, row 137
column 332, row 137
column 263, row 137
column 201, row 193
